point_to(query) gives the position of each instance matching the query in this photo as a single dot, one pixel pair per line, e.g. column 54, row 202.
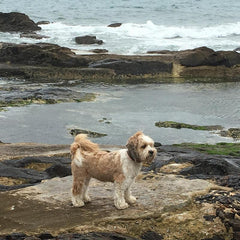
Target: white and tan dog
column 120, row 167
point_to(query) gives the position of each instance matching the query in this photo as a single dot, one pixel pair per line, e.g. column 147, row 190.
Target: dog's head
column 141, row 148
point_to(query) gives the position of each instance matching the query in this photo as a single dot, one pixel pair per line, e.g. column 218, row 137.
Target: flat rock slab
column 21, row 150
column 46, row 207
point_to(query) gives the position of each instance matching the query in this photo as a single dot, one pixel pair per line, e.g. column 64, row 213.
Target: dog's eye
column 143, row 146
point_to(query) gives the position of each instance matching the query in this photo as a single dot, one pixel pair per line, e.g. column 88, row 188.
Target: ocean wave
column 133, row 38
column 149, row 30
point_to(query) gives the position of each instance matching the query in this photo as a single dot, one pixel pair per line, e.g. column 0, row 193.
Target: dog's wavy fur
column 120, row 167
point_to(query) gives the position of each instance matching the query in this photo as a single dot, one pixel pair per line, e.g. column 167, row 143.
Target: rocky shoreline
column 184, row 194
column 190, row 192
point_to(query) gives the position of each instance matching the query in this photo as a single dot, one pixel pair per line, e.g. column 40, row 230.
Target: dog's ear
column 132, row 146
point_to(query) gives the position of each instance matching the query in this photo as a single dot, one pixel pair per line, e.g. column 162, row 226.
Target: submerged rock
column 16, row 22
column 91, row 134
column 231, row 132
column 45, row 95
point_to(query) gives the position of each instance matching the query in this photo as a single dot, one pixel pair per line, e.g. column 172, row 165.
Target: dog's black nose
column 150, row 152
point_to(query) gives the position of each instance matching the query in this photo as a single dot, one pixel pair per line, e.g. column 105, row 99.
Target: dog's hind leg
column 86, row 197
column 78, row 186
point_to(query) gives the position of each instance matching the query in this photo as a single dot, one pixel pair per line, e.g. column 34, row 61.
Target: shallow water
column 121, row 110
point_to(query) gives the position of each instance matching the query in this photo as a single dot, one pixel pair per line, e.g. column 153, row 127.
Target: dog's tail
column 82, row 142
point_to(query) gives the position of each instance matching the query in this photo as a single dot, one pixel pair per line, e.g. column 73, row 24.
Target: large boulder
column 200, row 57
column 43, row 54
column 114, row 25
column 17, row 22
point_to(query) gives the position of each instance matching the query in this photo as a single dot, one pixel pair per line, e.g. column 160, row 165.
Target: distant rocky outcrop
column 114, row 25
column 17, row 22
column 196, row 65
column 88, row 40
column 43, row 22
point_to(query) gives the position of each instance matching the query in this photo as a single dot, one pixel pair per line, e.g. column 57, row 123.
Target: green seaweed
column 222, row 148
column 177, row 125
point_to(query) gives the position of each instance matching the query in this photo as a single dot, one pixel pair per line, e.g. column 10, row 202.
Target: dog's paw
column 121, row 205
column 77, row 202
column 131, row 199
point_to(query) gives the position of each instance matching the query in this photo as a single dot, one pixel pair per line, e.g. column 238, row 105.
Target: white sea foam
column 132, row 38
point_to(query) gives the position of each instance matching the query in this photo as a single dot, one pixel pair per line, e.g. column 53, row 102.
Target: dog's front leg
column 119, row 200
column 129, row 197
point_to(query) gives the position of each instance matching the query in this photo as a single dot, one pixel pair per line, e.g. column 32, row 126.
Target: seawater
column 147, row 25
column 121, row 110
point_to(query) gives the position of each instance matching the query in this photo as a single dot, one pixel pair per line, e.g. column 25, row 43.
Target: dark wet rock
column 150, row 235
column 231, row 132
column 88, row 40
column 224, row 169
column 45, row 236
column 99, row 50
column 70, row 236
column 134, row 67
column 58, row 170
column 228, row 204
column 209, row 218
column 114, row 25
column 32, row 170
column 16, row 22
column 229, row 180
column 200, row 57
column 231, row 57
column 32, row 35
column 44, row 54
column 91, row 134
column 14, row 236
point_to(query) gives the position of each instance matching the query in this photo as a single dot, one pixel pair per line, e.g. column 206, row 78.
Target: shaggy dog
column 120, row 167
